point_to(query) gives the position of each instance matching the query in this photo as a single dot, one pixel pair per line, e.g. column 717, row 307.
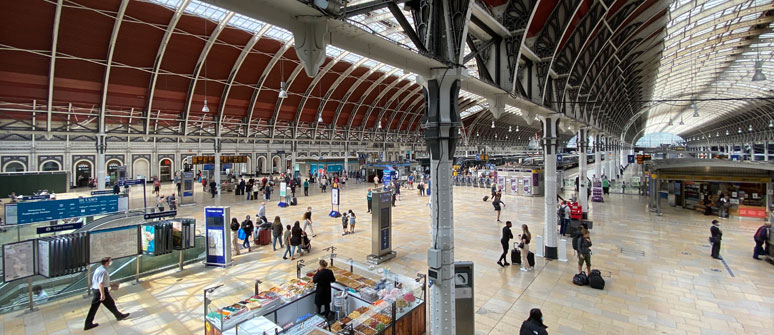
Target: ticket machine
column 381, row 227
column 187, row 188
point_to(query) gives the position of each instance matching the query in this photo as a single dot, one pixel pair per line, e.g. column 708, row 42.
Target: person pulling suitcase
column 504, row 241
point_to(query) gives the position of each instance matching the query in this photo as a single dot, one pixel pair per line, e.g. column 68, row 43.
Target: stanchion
column 562, row 250
column 88, row 281
column 137, row 272
column 32, row 301
column 181, row 260
column 539, row 246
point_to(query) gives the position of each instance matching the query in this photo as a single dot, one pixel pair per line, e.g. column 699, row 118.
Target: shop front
column 364, row 300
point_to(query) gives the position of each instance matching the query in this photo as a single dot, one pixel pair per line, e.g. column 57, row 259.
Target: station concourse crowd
column 660, row 278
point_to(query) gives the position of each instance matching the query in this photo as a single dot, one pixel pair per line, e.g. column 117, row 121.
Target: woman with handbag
column 525, row 237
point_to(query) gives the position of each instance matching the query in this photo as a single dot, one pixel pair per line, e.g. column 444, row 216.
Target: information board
column 40, row 211
column 114, row 242
column 43, row 260
column 216, row 220
column 283, row 189
column 18, row 260
column 335, row 196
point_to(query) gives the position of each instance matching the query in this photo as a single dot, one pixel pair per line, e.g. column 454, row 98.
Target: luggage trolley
column 576, row 211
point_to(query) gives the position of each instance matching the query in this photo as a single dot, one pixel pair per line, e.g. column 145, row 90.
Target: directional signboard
column 28, row 212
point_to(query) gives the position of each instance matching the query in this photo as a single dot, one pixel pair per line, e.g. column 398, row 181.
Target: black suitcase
column 588, row 224
column 294, row 201
column 515, row 255
column 531, row 259
column 486, row 197
column 596, row 281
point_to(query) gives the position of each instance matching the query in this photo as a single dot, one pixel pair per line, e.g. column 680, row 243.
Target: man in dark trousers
column 100, row 282
column 323, row 278
column 717, row 236
column 213, row 188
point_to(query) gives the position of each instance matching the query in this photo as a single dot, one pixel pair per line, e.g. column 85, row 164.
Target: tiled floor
column 660, row 278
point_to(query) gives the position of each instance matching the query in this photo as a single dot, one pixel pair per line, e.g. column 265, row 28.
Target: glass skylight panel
column 206, row 10
column 167, row 3
column 370, row 63
column 279, row 34
column 352, row 58
column 333, row 52
column 387, row 68
column 246, row 23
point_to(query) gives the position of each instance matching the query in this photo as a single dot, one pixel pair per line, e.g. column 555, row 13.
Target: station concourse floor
column 659, row 276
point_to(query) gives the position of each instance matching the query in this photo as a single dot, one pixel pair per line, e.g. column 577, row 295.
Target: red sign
column 752, row 212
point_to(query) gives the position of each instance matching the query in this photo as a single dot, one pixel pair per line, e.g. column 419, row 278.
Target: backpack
column 576, row 242
column 760, row 233
column 580, row 279
column 234, row 226
column 561, row 212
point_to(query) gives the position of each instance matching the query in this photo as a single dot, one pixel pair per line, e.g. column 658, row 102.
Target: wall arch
column 276, row 164
column 14, row 166
column 260, row 166
column 83, row 170
column 166, row 169
column 50, row 165
column 141, row 168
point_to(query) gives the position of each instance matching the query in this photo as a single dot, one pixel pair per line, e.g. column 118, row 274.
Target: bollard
column 562, row 250
column 539, row 246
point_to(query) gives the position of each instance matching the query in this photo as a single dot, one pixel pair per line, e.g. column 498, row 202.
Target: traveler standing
column 262, row 212
column 715, row 238
column 247, row 227
column 156, row 185
column 344, row 223
column 235, row 234
column 564, row 217
column 584, row 252
column 623, row 187
column 761, row 236
column 525, row 237
column 177, row 182
column 368, row 198
column 286, row 240
column 308, row 221
column 295, row 240
column 213, row 188
column 351, row 222
column 534, row 324
column 276, row 232
column 505, row 241
column 100, row 290
column 496, row 202
column 322, row 298
column 306, row 187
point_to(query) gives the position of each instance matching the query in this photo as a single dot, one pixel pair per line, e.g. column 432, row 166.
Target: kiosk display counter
column 365, row 300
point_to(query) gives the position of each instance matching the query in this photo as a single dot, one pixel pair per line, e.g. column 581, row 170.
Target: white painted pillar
column 766, row 150
column 597, row 156
column 583, row 142
column 217, row 165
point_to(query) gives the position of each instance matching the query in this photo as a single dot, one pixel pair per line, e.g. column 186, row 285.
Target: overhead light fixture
column 671, row 123
column 495, row 135
column 459, row 131
column 681, row 121
column 493, row 124
column 379, row 125
column 283, row 93
column 758, row 76
column 509, row 129
column 695, row 109
column 717, row 134
column 749, row 128
column 506, row 137
column 739, row 130
column 726, row 132
column 205, row 108
column 517, row 128
column 319, row 119
column 476, row 133
column 771, row 123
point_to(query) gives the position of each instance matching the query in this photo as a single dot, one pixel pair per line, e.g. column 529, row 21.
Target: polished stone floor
column 660, row 278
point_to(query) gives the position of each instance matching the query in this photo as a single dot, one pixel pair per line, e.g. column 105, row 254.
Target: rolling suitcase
column 294, row 201
column 515, row 255
column 486, row 197
column 264, row 237
column 531, row 259
column 580, row 279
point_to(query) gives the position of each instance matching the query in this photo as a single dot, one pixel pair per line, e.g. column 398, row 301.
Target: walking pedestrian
column 156, row 185
column 308, row 221
column 286, row 240
column 276, row 232
column 534, row 324
column 351, row 222
column 505, row 241
column 247, row 228
column 100, row 289
column 344, row 223
column 761, row 236
column 525, row 238
column 295, row 240
column 716, row 235
column 497, row 203
column 306, row 187
column 235, row 234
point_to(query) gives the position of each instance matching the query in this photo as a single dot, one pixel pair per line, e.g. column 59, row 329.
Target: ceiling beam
column 106, row 78
column 52, row 64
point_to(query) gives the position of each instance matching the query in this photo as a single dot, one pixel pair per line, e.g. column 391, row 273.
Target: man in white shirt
column 100, row 283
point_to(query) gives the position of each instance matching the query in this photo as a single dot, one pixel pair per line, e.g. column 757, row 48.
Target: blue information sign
column 131, row 182
column 36, row 197
column 60, row 227
column 631, row 159
column 103, row 192
column 478, row 157
column 28, row 212
column 559, row 159
column 217, row 236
